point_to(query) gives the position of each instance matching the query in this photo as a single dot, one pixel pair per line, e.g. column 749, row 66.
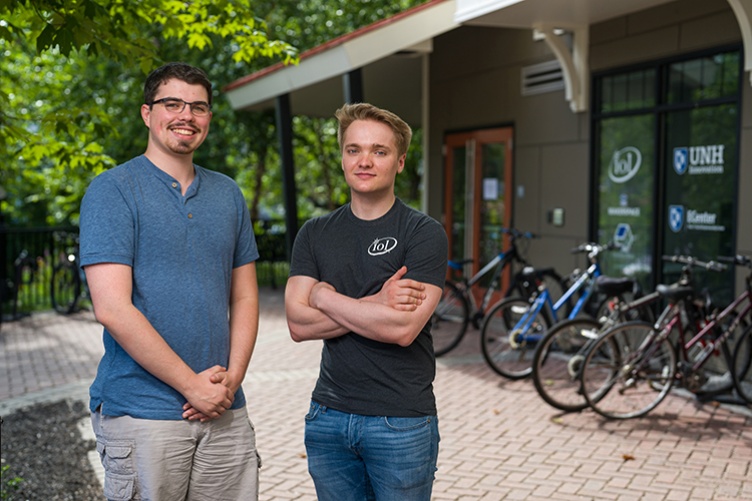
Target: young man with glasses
column 169, row 255
column 366, row 279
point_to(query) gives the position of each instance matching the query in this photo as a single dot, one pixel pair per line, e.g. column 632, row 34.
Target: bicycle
column 632, row 367
column 24, row 268
column 741, row 368
column 458, row 307
column 514, row 326
column 68, row 286
column 557, row 360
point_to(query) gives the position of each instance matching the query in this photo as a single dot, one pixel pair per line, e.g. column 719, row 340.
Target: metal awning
column 390, row 53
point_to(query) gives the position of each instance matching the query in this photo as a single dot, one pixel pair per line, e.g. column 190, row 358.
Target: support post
column 289, row 191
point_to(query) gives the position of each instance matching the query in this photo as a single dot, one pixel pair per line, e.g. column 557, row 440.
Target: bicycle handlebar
column 515, row 233
column 692, row 261
column 737, row 260
column 593, row 249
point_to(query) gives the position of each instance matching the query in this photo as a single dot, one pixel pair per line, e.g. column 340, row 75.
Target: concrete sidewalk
column 499, row 439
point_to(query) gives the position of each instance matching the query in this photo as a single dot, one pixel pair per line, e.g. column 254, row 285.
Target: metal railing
column 27, row 257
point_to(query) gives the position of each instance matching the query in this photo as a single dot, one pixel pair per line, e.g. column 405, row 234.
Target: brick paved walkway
column 500, row 441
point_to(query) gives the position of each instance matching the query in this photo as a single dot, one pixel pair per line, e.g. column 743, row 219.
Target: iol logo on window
column 625, row 163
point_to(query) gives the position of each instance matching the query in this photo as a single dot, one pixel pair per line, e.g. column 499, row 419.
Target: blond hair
column 349, row 113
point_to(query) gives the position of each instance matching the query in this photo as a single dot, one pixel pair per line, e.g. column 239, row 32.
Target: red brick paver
column 500, row 441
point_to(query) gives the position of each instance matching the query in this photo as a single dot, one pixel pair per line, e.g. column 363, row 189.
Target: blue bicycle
column 465, row 303
column 513, row 327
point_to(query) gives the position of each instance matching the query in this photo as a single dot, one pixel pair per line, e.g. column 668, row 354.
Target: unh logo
column 681, row 159
column 624, row 164
column 382, row 246
column 675, row 217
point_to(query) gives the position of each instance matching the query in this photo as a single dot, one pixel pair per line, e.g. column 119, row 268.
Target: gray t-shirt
column 359, row 375
column 182, row 250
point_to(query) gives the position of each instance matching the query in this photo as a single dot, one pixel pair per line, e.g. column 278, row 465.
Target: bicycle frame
column 670, row 319
column 543, row 300
column 725, row 334
column 498, row 263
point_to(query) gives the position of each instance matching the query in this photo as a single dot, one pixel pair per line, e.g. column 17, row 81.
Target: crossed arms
column 208, row 393
column 396, row 314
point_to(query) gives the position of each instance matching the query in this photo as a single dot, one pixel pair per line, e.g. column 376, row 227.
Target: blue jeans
column 354, row 457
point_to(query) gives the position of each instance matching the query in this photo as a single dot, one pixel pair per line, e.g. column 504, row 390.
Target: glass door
column 478, row 197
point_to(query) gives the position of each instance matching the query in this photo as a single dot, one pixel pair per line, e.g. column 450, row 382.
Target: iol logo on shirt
column 382, row 246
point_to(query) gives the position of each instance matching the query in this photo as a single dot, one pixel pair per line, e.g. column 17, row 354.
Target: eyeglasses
column 175, row 105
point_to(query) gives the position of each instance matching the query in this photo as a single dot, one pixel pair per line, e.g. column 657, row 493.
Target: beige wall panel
column 565, row 184
column 744, row 235
column 535, row 193
column 545, row 118
column 466, row 52
column 746, row 103
column 645, row 47
column 479, row 100
column 673, row 13
column 714, row 30
column 666, row 30
column 527, row 215
column 608, row 31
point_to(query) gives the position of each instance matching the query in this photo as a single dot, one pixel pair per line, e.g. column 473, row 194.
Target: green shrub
column 8, row 485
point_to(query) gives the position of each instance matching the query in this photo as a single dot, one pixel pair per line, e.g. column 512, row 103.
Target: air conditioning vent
column 540, row 78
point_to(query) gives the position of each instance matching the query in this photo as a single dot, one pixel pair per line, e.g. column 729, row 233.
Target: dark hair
column 180, row 71
column 364, row 111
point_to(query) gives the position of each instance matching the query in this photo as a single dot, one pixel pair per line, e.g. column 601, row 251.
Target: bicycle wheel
column 449, row 320
column 65, row 287
column 510, row 352
column 627, row 371
column 742, row 366
column 558, row 360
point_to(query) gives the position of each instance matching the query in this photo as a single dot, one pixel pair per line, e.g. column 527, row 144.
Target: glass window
column 627, row 91
column 700, row 168
column 625, row 191
column 668, row 174
column 711, row 77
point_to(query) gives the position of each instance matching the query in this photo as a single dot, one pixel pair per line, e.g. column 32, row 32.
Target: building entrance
column 478, row 197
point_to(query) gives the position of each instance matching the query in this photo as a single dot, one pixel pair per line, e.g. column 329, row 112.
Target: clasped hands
column 210, row 395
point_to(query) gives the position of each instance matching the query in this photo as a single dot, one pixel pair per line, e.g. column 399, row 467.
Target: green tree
column 320, row 183
column 69, row 67
column 72, row 70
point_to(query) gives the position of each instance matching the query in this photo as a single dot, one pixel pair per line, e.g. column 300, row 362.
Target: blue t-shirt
column 182, row 250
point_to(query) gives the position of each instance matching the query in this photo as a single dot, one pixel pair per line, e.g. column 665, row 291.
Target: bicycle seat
column 612, row 286
column 675, row 292
column 529, row 272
